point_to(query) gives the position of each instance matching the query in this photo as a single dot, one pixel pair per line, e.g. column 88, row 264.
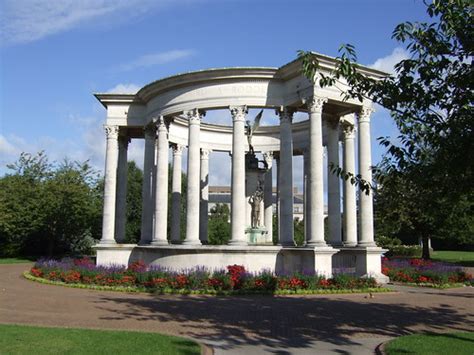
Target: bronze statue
column 252, row 129
column 255, row 201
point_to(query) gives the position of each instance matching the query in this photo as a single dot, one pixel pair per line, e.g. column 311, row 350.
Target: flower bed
column 233, row 279
column 424, row 272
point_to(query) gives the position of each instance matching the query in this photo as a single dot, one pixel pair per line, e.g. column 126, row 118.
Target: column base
column 159, row 242
column 323, row 260
column 191, row 242
column 369, row 263
column 238, row 242
column 366, row 244
column 349, row 245
column 287, row 244
column 107, row 242
column 317, row 244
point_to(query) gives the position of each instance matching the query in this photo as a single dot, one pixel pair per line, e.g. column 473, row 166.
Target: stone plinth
column 255, row 258
column 258, row 236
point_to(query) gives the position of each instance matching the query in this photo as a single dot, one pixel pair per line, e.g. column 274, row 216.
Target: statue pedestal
column 258, row 236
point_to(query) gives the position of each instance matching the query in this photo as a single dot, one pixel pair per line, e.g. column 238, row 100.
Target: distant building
column 221, row 194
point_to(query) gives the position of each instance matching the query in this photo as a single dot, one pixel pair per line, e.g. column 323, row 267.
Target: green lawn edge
column 27, row 275
column 44, row 337
column 11, row 261
column 431, row 343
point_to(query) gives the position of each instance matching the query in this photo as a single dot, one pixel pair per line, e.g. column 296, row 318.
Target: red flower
column 215, row 283
column 137, row 266
column 423, row 279
column 36, row 272
column 236, row 273
column 324, row 283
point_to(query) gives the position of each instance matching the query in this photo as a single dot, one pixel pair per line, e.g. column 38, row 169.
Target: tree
column 49, row 209
column 134, row 203
column 219, row 224
column 430, row 99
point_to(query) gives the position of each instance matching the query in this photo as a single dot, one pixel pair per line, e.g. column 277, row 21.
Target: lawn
column 16, row 339
column 15, row 260
column 461, row 258
column 450, row 343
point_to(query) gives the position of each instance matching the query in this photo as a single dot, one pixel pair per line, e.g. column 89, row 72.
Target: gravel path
column 339, row 324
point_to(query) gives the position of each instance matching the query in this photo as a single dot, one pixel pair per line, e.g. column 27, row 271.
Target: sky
column 54, row 54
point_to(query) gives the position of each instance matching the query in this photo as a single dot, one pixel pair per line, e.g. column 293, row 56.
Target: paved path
column 336, row 324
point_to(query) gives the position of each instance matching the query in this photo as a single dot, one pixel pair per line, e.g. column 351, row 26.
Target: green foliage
column 298, row 232
column 134, row 203
column 219, row 224
column 396, row 248
column 404, row 250
column 48, row 209
column 386, row 242
column 425, row 182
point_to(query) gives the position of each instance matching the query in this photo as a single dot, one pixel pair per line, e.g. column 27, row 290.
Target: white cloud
column 388, row 62
column 6, row 147
column 124, row 89
column 23, row 21
column 149, row 60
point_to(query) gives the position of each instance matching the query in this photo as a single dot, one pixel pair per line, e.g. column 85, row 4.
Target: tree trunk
column 425, row 254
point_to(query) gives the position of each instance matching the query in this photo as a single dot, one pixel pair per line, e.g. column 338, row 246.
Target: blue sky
column 56, row 54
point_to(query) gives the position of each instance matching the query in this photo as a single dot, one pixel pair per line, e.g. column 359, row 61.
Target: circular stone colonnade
column 168, row 114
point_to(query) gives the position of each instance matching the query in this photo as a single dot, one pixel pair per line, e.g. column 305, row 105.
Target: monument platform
column 255, row 258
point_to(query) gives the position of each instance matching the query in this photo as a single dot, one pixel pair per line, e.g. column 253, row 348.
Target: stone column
column 350, row 207
column 192, row 196
column 122, row 173
column 268, row 194
column 365, row 170
column 160, row 233
column 238, row 204
column 110, row 186
column 147, row 201
column 334, row 191
column 306, row 195
column 286, row 177
column 176, row 194
column 277, row 161
column 204, row 205
column 316, row 188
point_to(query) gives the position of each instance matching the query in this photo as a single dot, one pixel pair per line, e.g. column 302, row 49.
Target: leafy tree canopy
column 428, row 173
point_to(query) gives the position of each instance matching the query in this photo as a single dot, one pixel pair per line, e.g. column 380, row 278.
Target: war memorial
column 168, row 114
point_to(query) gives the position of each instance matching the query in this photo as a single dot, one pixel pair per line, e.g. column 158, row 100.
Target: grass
column 449, row 343
column 461, row 258
column 19, row 339
column 4, row 261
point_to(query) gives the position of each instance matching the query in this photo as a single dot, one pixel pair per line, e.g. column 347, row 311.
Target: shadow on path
column 294, row 322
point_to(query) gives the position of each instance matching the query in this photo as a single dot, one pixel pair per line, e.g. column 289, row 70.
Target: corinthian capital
column 205, row 154
column 285, row 113
column 315, row 103
column 238, row 112
column 349, row 130
column 161, row 123
column 111, row 132
column 177, row 149
column 364, row 113
column 194, row 116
